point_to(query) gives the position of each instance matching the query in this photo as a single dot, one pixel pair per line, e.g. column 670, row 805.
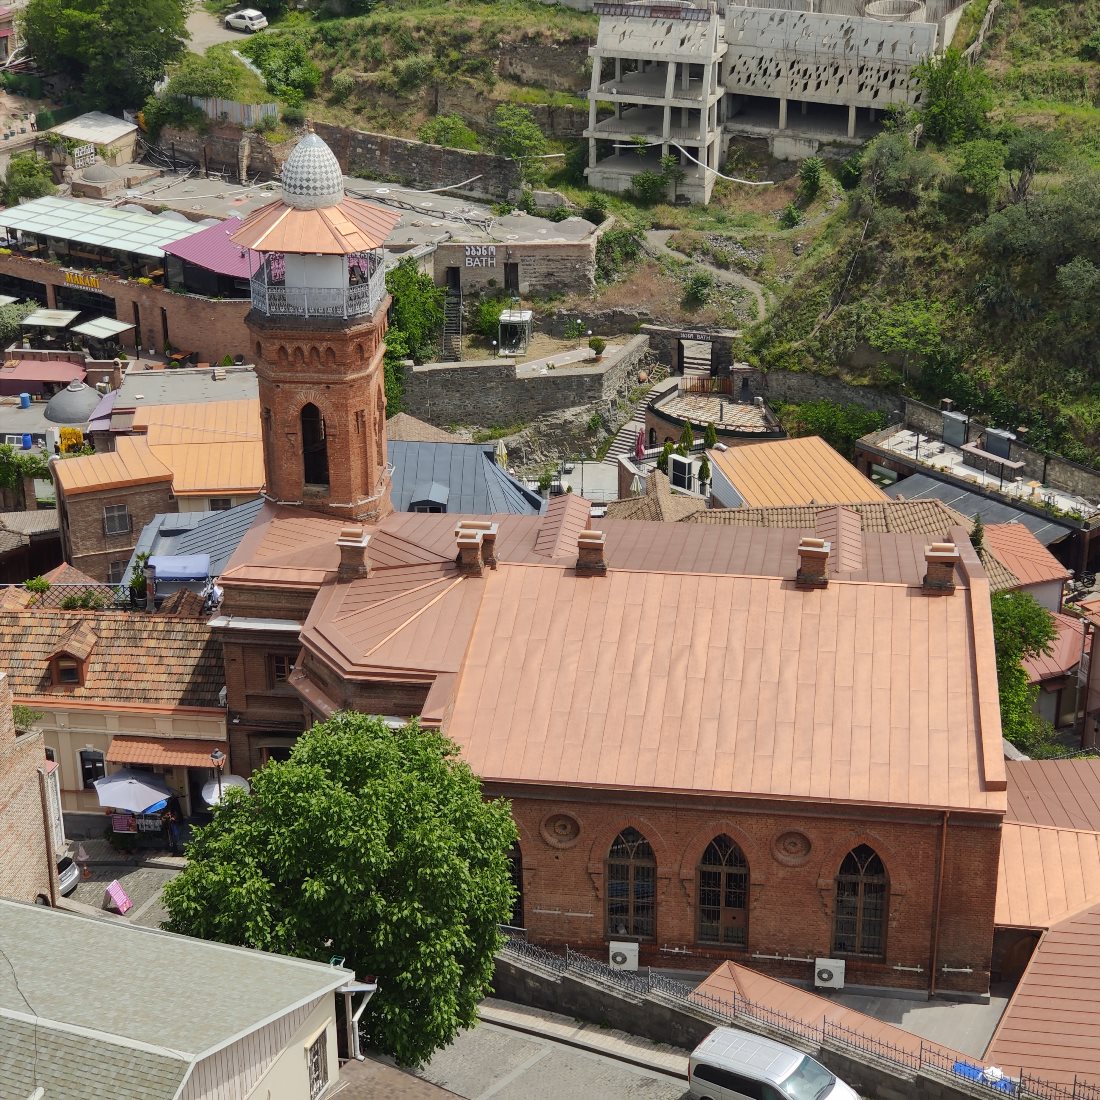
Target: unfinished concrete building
column 801, row 74
column 659, row 66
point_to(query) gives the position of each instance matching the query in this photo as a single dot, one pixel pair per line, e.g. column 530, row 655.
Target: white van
column 735, row 1065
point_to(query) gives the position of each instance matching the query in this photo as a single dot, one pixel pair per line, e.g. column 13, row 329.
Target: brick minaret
column 318, row 323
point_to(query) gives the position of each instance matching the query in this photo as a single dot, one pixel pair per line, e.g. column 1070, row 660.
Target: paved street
column 206, row 30
column 491, row 1061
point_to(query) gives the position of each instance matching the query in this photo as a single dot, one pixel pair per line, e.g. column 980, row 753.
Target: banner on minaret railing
column 83, row 155
column 481, row 255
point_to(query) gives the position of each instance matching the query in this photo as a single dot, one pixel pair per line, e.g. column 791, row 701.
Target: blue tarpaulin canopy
column 181, row 567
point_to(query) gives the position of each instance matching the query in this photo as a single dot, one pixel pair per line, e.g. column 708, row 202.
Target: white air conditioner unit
column 622, row 955
column 829, row 973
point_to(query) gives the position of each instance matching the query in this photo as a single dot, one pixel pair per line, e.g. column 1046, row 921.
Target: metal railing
column 73, row 597
column 733, row 1008
column 353, row 300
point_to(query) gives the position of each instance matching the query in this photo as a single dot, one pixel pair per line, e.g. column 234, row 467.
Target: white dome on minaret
column 312, row 179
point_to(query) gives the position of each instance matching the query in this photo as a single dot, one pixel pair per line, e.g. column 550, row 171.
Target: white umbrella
column 210, row 788
column 130, row 790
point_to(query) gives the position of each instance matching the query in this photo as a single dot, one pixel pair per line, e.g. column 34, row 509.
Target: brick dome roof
column 312, row 179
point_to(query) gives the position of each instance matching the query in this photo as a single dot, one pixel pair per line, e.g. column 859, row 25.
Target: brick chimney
column 590, row 554
column 488, row 538
column 813, row 563
column 353, row 554
column 470, row 560
column 940, row 560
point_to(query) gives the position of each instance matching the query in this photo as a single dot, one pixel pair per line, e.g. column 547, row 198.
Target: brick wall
column 212, row 328
column 86, row 544
column 792, row 882
column 489, row 391
column 25, row 865
column 542, row 268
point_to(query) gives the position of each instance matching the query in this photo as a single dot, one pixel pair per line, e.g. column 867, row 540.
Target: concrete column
column 685, row 75
column 666, row 123
column 783, row 113
column 591, row 152
column 670, row 80
column 618, row 68
column 852, row 121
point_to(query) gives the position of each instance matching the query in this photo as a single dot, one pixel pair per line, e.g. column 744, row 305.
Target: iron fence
column 74, row 597
column 733, row 1008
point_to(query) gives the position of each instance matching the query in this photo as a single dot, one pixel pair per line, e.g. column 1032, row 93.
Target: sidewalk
column 598, row 1040
column 100, row 852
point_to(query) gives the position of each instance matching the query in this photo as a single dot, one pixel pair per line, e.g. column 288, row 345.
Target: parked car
column 736, row 1065
column 68, row 875
column 247, row 19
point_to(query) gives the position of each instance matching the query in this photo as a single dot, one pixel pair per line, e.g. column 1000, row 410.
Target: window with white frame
column 116, row 520
column 317, row 1064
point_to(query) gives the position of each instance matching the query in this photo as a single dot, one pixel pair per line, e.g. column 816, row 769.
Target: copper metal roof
column 1045, row 874
column 1065, row 653
column 1062, row 793
column 1051, row 1027
column 1024, row 554
column 353, row 226
column 793, row 471
column 130, row 463
column 565, row 517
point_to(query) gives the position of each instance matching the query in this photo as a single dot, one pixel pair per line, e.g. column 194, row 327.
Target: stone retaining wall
column 489, row 392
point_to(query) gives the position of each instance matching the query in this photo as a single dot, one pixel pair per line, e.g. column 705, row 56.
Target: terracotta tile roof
column 1045, row 874
column 856, row 693
column 353, row 226
column 172, row 752
column 731, row 979
column 78, row 641
column 402, row 427
column 1062, row 793
column 136, row 658
column 658, row 502
column 566, row 516
column 1051, row 1026
column 68, row 574
column 793, row 471
column 132, row 462
column 183, row 604
column 1024, row 554
column 42, row 522
column 1065, row 653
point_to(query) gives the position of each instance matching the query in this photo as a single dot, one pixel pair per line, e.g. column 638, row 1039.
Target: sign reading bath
column 481, row 255
column 704, row 337
column 117, row 897
column 78, row 278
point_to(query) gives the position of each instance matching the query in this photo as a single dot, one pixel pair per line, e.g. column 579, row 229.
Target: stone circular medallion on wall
column 792, row 848
column 561, row 830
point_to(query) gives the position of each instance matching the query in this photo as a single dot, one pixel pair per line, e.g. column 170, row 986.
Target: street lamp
column 217, row 758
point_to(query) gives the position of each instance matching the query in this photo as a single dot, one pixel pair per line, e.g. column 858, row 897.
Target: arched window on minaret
column 314, row 446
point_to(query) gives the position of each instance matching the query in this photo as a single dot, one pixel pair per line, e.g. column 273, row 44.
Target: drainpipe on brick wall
column 939, row 903
column 47, row 829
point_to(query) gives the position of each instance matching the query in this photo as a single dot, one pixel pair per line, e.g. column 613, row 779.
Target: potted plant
column 598, row 344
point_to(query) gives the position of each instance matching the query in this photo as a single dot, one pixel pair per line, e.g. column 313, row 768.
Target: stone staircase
column 452, row 327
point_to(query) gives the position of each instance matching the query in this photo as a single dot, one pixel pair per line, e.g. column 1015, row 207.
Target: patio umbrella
column 131, row 790
column 210, row 788
column 639, row 445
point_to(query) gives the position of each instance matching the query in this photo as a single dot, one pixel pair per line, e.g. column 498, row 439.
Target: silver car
column 68, row 875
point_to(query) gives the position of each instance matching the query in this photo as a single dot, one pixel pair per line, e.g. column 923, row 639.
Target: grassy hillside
column 949, row 271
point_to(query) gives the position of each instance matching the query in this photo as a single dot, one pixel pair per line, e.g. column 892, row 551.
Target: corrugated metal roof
column 353, row 226
column 213, row 250
column 1024, row 554
column 1051, row 1027
column 1045, row 874
column 1062, row 793
column 971, row 504
column 1065, row 653
column 132, row 462
column 793, row 471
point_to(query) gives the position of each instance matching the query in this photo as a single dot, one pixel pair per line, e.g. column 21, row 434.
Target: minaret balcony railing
column 353, row 300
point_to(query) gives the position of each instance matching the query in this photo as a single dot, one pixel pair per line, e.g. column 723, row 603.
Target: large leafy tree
column 370, row 843
column 957, row 97
column 1021, row 629
column 114, row 50
column 417, row 313
column 27, row 176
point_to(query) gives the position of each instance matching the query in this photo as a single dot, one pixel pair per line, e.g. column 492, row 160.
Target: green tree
column 215, row 75
column 17, row 465
column 912, row 328
column 449, row 131
column 710, row 435
column 374, row 844
column 697, row 289
column 1028, row 152
column 673, row 171
column 982, row 167
column 704, row 472
column 977, row 534
column 811, row 173
column 28, row 176
column 393, row 368
column 957, row 97
column 11, row 317
column 1021, row 629
column 284, row 59
column 516, row 134
column 487, row 317
column 417, row 308
column 662, row 458
column 687, row 438
column 114, row 51
column 839, row 425
column 648, row 187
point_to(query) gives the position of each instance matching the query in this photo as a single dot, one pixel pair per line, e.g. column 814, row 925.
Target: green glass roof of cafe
column 99, row 226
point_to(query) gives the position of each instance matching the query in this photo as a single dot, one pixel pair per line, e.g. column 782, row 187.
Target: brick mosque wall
column 488, row 392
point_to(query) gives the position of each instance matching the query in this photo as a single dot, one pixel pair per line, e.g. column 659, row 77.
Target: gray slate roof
column 475, row 484
column 215, row 533
column 971, row 504
column 145, row 1006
